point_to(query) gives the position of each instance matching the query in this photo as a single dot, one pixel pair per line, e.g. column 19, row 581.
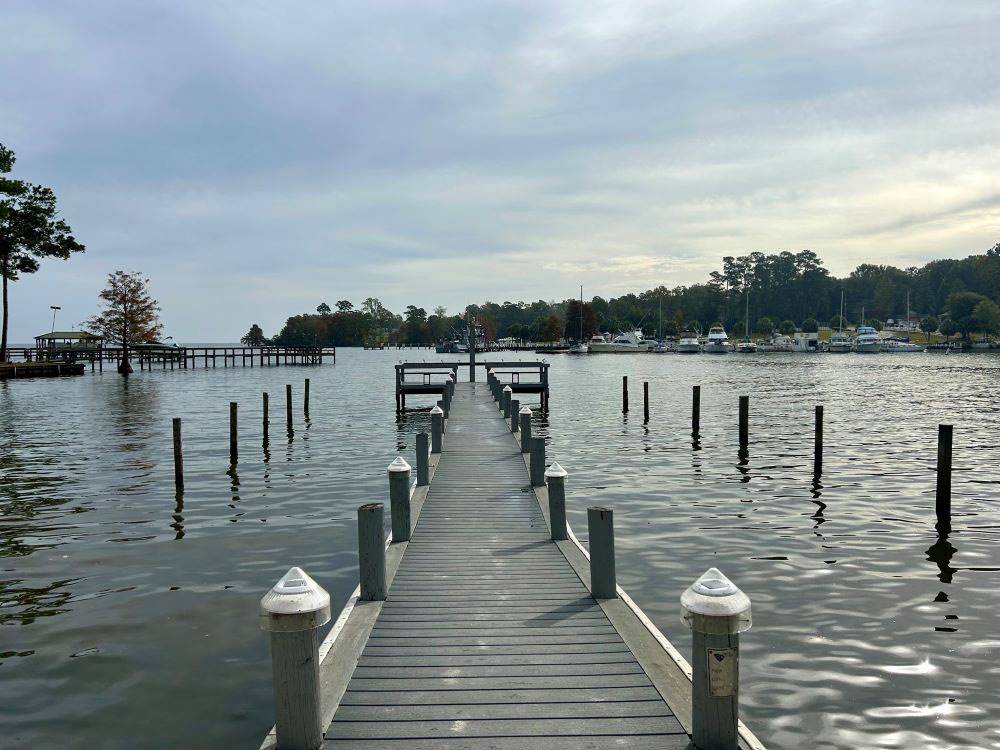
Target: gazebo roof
column 71, row 335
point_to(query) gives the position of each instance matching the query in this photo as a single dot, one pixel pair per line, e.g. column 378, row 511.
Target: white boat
column 718, row 341
column 688, row 343
column 626, row 342
column 580, row 347
column 746, row 347
column 895, row 345
column 867, row 341
column 840, row 342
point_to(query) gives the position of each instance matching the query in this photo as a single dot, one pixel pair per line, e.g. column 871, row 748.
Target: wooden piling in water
column 645, row 402
column 744, row 421
column 537, row 463
column 233, row 447
column 695, row 410
column 624, row 394
column 266, row 421
column 178, row 456
column 943, row 492
column 288, row 406
column 423, row 459
column 305, row 398
column 818, row 442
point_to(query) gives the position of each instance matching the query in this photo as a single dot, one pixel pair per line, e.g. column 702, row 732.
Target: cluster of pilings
column 944, row 444
column 234, row 448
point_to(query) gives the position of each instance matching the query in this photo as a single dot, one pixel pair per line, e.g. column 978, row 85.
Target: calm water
column 128, row 619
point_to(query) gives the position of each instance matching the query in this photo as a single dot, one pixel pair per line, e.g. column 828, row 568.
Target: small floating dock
column 484, row 623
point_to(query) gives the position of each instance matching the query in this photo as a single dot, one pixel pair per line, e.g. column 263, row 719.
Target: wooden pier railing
column 482, row 621
column 173, row 357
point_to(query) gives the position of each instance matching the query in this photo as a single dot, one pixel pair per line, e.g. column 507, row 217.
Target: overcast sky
column 258, row 158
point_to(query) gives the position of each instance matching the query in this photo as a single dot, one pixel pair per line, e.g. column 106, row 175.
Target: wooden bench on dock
column 485, row 623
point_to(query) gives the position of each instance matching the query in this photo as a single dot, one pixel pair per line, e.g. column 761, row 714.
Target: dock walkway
column 488, row 637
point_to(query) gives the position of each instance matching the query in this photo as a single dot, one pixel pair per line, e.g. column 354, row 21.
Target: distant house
column 59, row 341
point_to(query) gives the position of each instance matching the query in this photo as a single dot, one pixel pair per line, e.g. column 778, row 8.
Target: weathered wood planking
column 489, row 638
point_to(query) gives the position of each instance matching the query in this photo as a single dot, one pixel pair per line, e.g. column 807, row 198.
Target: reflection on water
column 122, row 601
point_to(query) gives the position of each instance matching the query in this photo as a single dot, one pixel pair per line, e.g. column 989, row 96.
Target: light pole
column 54, row 309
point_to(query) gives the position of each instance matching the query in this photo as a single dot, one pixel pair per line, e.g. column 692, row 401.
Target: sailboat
column 580, row 347
column 746, row 346
column 840, row 342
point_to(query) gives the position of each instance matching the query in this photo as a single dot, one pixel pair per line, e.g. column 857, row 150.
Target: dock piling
column 305, row 398
column 233, row 447
column 265, row 418
column 437, row 428
column 293, row 611
column 744, row 421
column 717, row 612
column 555, row 477
column 645, row 402
column 943, row 491
column 818, row 441
column 505, row 403
column 515, row 414
column 695, row 410
column 525, row 415
column 601, row 529
column 399, row 499
column 537, row 461
column 423, row 462
column 178, row 456
column 371, row 552
column 444, row 412
column 624, row 394
column 288, row 406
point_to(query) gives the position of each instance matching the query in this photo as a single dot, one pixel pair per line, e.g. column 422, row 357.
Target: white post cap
column 525, row 410
column 435, row 410
column 296, row 602
column 508, row 389
column 556, row 471
column 713, row 604
column 492, row 372
column 398, row 466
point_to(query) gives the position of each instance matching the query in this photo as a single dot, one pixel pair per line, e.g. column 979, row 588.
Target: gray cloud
column 256, row 159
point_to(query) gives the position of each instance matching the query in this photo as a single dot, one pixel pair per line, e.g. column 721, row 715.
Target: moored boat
column 718, row 341
column 688, row 343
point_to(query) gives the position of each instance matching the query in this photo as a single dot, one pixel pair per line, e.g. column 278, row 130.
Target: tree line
column 786, row 292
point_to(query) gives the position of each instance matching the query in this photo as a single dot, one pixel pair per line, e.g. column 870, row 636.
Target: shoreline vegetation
column 786, row 290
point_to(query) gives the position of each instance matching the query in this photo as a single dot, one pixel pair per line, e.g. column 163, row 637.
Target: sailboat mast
column 746, row 320
column 581, row 313
column 841, row 328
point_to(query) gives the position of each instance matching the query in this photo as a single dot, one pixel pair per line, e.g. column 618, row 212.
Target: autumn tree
column 254, row 337
column 929, row 325
column 29, row 231
column 130, row 316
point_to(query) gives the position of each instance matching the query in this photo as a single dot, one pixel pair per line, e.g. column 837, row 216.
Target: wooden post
column 537, row 462
column 717, row 612
column 818, row 442
column 423, row 460
column 437, row 429
column 288, row 406
column 507, row 393
column 555, row 476
column 266, row 420
column 525, row 415
column 294, row 611
column 695, row 410
column 371, row 551
column 645, row 402
column 233, row 450
column 399, row 499
column 744, row 421
column 178, row 456
column 515, row 414
column 624, row 394
column 943, row 493
column 305, row 399
column 601, row 528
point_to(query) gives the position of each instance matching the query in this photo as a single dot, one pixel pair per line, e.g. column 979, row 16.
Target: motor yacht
column 624, row 343
column 718, row 341
column 867, row 341
column 746, row 347
column 688, row 343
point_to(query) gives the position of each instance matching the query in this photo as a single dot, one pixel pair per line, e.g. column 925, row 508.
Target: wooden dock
column 427, row 378
column 489, row 636
column 179, row 357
